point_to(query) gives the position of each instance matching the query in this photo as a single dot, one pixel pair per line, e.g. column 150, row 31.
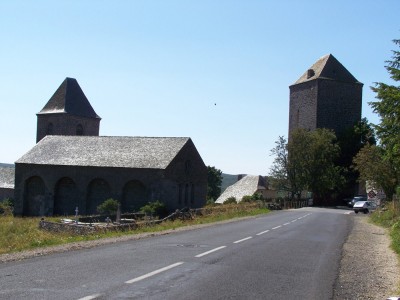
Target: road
column 291, row 254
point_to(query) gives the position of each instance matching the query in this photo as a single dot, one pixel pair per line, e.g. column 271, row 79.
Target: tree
column 350, row 142
column 110, row 206
column 312, row 156
column 370, row 162
column 214, row 180
column 307, row 162
column 283, row 177
column 388, row 109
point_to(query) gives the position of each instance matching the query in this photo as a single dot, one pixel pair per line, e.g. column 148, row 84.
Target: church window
column 79, row 129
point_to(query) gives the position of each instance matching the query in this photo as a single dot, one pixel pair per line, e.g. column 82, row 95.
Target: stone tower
column 325, row 96
column 68, row 112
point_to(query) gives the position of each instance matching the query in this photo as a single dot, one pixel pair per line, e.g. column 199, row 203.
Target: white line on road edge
column 242, row 240
column 153, row 273
column 277, row 227
column 90, row 297
column 211, row 251
column 262, row 232
column 286, row 224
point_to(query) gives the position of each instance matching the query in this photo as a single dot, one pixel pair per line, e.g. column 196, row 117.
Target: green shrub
column 108, row 207
column 247, row 199
column 6, row 207
column 230, row 200
column 257, row 196
column 154, row 208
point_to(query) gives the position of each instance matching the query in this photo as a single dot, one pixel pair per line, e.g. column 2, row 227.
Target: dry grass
column 17, row 234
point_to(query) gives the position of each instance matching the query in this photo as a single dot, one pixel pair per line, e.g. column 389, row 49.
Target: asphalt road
column 284, row 255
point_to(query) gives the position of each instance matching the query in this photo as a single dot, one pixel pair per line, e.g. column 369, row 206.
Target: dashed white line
column 286, row 224
column 153, row 273
column 242, row 240
column 211, row 251
column 262, row 232
column 90, row 297
column 277, row 227
column 294, row 221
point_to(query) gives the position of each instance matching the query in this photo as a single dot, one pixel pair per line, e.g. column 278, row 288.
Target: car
column 364, row 206
column 355, row 199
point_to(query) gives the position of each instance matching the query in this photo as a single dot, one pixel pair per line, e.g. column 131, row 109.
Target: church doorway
column 66, row 197
column 98, row 192
column 134, row 196
column 35, row 197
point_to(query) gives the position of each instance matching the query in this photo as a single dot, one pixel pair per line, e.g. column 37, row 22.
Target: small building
column 247, row 185
column 7, row 173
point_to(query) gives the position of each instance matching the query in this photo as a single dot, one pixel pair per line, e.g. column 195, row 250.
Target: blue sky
column 216, row 71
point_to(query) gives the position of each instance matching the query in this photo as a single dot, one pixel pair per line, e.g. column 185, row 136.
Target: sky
column 217, row 71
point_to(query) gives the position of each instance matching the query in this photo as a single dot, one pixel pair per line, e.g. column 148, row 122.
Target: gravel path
column 369, row 269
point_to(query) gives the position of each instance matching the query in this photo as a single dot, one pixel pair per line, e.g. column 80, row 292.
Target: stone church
column 325, row 96
column 72, row 166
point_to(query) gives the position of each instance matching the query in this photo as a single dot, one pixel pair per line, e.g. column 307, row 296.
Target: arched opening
column 98, row 191
column 35, row 197
column 66, row 197
column 134, row 196
column 79, row 129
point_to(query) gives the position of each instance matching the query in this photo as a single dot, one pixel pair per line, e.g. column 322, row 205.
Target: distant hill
column 7, row 165
column 227, row 180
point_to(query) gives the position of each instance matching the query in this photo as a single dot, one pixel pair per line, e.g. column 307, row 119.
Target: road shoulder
column 369, row 268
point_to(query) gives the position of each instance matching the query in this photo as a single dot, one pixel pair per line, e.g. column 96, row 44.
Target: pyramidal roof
column 327, row 67
column 69, row 98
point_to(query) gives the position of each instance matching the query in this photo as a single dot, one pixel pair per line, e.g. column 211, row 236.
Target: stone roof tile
column 7, row 177
column 69, row 98
column 105, row 151
column 246, row 186
column 327, row 67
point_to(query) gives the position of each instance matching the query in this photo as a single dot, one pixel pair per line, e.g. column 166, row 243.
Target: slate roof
column 246, row 186
column 69, row 98
column 105, row 151
column 328, row 67
column 7, row 177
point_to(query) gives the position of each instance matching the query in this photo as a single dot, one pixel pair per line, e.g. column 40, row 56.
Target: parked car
column 364, row 206
column 355, row 199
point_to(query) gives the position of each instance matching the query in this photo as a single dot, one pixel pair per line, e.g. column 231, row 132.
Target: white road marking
column 286, row 224
column 347, row 212
column 153, row 273
column 277, row 227
column 90, row 297
column 262, row 232
column 294, row 221
column 242, row 240
column 210, row 251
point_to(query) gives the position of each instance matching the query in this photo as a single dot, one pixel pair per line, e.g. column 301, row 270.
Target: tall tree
column 307, row 162
column 214, row 180
column 312, row 156
column 372, row 166
column 388, row 109
column 282, row 178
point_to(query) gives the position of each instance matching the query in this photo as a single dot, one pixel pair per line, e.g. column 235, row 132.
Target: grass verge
column 18, row 234
column 390, row 218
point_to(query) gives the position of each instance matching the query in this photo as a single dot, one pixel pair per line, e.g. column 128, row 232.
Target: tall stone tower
column 325, row 96
column 68, row 112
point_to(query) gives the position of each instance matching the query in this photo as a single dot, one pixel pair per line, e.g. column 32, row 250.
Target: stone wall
column 65, row 124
